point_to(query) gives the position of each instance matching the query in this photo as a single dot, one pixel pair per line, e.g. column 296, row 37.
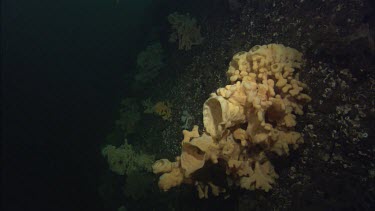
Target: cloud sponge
column 252, row 117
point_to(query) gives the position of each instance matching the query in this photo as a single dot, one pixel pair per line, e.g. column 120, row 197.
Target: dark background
column 64, row 70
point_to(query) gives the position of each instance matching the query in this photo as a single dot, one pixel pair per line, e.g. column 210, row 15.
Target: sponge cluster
column 185, row 31
column 245, row 122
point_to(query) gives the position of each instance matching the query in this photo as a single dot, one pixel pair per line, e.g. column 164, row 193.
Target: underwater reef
column 261, row 105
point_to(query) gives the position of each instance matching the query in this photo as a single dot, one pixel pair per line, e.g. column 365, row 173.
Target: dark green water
column 64, row 71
